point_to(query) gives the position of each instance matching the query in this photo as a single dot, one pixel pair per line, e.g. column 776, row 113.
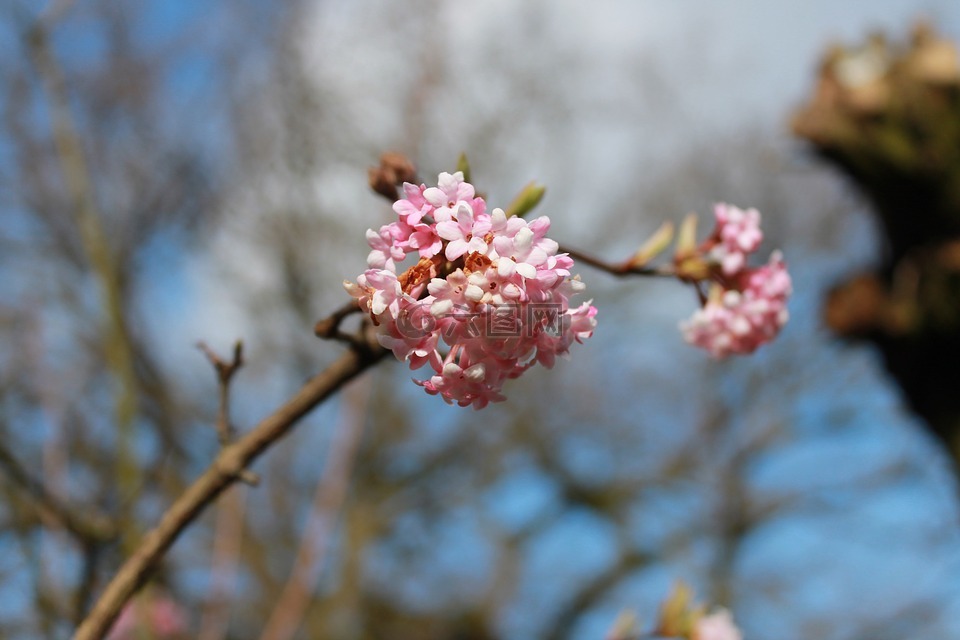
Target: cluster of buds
column 679, row 618
column 488, row 298
column 742, row 307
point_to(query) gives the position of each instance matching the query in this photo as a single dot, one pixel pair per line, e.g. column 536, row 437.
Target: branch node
column 249, row 477
column 329, row 328
column 225, row 372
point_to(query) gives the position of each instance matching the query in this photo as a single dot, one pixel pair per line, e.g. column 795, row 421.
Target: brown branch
column 224, row 471
column 225, row 372
column 228, row 531
column 620, row 270
column 329, row 327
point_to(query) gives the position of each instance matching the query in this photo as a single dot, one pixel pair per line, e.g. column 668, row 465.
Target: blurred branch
column 594, row 591
column 224, row 471
column 88, row 580
column 228, row 532
column 227, row 545
column 85, row 525
column 119, row 351
column 225, row 372
column 328, row 498
column 54, row 12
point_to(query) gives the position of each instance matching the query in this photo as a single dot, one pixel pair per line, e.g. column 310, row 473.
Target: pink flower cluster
column 746, row 307
column 737, row 235
column 491, row 288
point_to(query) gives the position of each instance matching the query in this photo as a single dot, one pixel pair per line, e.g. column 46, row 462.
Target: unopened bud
column 528, row 198
column 394, row 170
column 654, row 246
column 463, row 166
column 675, row 612
column 687, row 238
column 625, row 627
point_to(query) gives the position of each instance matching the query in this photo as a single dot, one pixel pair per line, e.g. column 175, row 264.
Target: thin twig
column 329, row 327
column 225, row 372
column 224, row 471
column 228, row 531
column 620, row 270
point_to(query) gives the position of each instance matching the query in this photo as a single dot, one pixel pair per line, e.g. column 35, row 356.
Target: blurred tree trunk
column 888, row 116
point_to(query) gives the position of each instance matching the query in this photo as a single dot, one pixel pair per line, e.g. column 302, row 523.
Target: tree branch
column 224, row 471
column 225, row 371
column 620, row 270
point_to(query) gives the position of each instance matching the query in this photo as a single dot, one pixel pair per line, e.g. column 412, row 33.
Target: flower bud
column 528, row 198
column 654, row 246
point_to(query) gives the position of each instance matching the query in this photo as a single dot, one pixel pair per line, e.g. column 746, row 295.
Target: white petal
column 474, row 293
column 476, row 373
column 451, row 369
column 526, row 270
column 441, row 307
column 523, row 240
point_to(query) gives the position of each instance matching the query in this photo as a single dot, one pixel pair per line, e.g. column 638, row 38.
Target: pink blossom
column 716, row 626
column 736, row 236
column 385, row 245
column 411, row 334
column 448, row 195
column 528, row 246
column 463, row 233
column 424, row 239
column 413, row 207
column 465, row 383
column 377, row 291
column 488, row 290
column 738, row 320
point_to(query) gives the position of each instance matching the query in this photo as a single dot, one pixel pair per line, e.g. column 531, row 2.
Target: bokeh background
column 220, row 193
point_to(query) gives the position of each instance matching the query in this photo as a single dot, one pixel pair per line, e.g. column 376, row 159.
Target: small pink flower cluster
column 746, row 307
column 492, row 288
column 157, row 617
column 737, row 235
